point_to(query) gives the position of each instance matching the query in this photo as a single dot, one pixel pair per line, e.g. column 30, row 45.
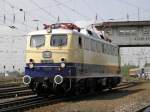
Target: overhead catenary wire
column 12, row 27
column 25, row 13
column 37, row 5
column 14, row 18
column 67, row 17
column 21, row 35
column 91, row 9
column 133, row 5
column 57, row 4
column 29, row 12
column 31, row 27
column 73, row 10
column 128, row 3
column 4, row 16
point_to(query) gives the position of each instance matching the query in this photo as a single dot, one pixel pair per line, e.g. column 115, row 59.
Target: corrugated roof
column 122, row 23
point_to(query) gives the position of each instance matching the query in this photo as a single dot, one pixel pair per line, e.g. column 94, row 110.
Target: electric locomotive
column 64, row 58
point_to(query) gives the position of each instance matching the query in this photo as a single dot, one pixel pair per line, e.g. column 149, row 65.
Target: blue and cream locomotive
column 64, row 58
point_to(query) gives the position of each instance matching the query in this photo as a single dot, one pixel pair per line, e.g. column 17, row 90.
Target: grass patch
column 125, row 72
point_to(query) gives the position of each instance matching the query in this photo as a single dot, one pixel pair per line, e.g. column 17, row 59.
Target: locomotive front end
column 47, row 69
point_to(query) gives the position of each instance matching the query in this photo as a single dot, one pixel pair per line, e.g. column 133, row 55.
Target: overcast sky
column 47, row 11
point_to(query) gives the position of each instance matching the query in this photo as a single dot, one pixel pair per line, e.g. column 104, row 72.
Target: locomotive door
column 81, row 56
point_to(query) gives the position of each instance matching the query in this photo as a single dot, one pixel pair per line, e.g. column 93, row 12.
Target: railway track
column 144, row 109
column 32, row 102
column 14, row 92
column 23, row 104
column 6, row 85
column 124, row 85
column 9, row 89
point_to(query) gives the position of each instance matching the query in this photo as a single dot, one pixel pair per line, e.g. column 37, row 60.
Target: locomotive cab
column 49, row 59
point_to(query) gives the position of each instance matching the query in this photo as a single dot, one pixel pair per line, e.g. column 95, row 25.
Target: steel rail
column 144, row 109
column 17, row 101
column 27, row 103
column 16, row 94
column 10, row 89
column 5, row 85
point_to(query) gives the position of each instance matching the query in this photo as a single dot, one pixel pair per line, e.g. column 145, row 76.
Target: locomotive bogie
column 72, row 85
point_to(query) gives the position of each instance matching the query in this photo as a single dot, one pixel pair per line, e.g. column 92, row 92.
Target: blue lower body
column 71, row 69
column 50, row 70
column 44, row 79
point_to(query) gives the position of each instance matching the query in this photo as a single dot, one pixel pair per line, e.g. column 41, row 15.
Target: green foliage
column 147, row 65
column 125, row 72
column 125, row 69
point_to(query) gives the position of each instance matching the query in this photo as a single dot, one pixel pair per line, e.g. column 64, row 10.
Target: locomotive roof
column 67, row 31
column 54, row 31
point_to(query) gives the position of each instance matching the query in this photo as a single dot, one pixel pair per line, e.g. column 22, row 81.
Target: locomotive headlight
column 62, row 65
column 31, row 65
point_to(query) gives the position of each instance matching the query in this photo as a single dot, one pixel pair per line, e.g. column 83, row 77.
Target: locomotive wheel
column 109, row 84
column 59, row 90
column 98, row 87
column 80, row 87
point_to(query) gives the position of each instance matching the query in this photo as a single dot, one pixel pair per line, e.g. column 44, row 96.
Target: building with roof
column 127, row 33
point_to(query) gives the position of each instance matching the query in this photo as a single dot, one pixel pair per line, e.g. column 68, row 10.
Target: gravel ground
column 122, row 100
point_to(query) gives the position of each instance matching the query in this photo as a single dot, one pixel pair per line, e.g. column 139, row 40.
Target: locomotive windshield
column 37, row 40
column 58, row 40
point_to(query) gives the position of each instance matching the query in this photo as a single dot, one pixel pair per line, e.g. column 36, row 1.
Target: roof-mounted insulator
column 69, row 26
column 89, row 32
column 108, row 40
column 46, row 26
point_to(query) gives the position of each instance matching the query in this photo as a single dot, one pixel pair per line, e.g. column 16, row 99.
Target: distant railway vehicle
column 134, row 72
column 63, row 58
column 140, row 72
